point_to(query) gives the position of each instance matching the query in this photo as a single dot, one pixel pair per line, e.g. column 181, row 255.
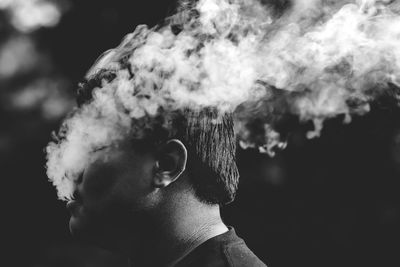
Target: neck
column 176, row 231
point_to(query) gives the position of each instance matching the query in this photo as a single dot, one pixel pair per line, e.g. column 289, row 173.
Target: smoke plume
column 315, row 59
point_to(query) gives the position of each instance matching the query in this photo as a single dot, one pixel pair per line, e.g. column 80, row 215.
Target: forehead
column 119, row 152
column 122, row 157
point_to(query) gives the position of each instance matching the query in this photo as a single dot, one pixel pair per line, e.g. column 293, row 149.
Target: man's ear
column 171, row 163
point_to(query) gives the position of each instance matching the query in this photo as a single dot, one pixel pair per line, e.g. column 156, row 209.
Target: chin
column 80, row 227
column 85, row 232
column 80, row 231
column 76, row 226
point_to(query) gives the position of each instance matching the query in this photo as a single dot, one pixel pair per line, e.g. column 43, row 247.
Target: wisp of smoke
column 318, row 59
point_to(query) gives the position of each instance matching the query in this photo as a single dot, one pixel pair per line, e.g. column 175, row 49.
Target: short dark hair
column 208, row 136
column 211, row 142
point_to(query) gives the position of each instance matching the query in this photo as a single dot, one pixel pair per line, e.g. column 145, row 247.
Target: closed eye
column 99, row 148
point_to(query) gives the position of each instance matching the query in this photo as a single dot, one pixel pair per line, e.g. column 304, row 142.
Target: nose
column 76, row 195
column 80, row 178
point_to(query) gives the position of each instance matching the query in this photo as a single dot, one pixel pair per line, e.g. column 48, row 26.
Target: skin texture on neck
column 179, row 226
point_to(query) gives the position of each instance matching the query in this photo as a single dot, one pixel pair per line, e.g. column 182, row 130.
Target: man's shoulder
column 225, row 250
column 238, row 254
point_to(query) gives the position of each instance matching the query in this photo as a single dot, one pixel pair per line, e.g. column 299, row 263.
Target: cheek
column 123, row 178
column 97, row 187
column 99, row 182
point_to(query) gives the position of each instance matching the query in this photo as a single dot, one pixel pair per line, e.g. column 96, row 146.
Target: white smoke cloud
column 323, row 58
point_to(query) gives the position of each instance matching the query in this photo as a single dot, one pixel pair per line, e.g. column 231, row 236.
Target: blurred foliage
column 322, row 202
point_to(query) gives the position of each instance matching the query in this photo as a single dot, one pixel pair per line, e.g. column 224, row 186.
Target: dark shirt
column 225, row 250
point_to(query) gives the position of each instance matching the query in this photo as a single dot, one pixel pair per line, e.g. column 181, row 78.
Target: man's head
column 133, row 178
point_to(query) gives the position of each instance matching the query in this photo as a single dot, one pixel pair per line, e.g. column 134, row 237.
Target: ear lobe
column 171, row 163
column 161, row 180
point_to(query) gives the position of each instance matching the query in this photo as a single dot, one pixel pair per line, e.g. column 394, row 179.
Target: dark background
column 329, row 201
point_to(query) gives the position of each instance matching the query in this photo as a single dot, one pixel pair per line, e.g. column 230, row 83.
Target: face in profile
column 111, row 191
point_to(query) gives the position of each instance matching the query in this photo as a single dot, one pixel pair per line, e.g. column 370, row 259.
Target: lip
column 73, row 206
